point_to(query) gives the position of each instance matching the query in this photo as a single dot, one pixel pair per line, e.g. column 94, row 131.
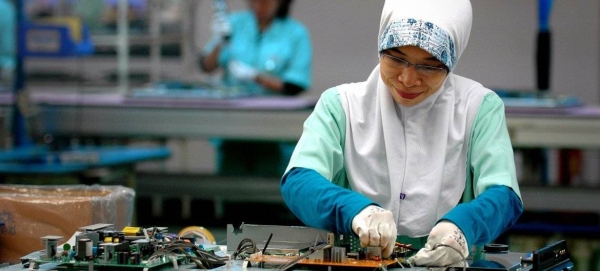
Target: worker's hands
column 220, row 26
column 242, row 71
column 376, row 227
column 436, row 251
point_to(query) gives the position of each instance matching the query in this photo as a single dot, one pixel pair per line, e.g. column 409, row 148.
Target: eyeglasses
column 400, row 63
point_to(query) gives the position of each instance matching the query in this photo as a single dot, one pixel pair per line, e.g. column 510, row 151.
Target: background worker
column 262, row 47
column 8, row 44
column 261, row 51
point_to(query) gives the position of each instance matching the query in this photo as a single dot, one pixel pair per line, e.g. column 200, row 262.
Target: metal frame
column 570, row 131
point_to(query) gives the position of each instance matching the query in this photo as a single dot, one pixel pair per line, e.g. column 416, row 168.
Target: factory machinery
column 266, row 247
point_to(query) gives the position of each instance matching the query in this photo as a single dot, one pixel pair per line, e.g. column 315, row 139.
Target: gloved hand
column 436, row 251
column 242, row 71
column 376, row 227
column 220, row 26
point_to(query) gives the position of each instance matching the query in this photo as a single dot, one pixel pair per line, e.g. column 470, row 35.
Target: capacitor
column 102, row 236
column 118, row 237
column 66, row 247
column 123, row 257
column 134, row 259
column 84, row 248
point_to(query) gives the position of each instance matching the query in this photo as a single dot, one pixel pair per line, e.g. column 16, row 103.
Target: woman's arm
column 497, row 204
column 319, row 203
column 310, row 185
column 209, row 62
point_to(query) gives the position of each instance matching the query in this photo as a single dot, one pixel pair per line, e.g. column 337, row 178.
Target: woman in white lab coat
column 415, row 153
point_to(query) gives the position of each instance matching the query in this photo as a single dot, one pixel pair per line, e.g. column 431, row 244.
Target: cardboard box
column 32, row 211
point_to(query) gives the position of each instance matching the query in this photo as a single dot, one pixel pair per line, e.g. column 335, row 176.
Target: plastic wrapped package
column 30, row 212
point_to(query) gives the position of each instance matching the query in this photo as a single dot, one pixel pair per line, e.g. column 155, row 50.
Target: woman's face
column 410, row 85
column 265, row 10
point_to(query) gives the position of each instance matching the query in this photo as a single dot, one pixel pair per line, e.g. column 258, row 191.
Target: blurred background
column 137, row 44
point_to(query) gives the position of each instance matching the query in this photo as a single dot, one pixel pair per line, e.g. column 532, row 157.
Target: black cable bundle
column 246, row 247
column 203, row 259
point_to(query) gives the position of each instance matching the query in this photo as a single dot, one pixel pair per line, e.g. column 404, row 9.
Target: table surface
column 279, row 103
column 267, row 118
column 38, row 160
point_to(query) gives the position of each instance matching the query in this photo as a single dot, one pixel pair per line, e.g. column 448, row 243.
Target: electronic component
column 495, row 248
column 307, row 247
column 50, row 243
column 374, row 253
column 259, row 246
column 552, row 257
column 96, row 227
column 99, row 247
column 344, row 252
column 83, row 249
column 133, row 231
column 498, row 257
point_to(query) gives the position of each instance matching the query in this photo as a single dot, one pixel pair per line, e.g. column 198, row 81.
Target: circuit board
column 348, row 262
column 332, row 251
column 99, row 247
column 99, row 265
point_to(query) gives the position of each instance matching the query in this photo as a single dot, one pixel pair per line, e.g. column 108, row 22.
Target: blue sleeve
column 487, row 216
column 319, row 203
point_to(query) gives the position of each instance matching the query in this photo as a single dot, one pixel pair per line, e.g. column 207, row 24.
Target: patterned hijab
column 439, row 27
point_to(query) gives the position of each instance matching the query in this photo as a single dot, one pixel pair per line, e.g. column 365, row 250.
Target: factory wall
column 500, row 54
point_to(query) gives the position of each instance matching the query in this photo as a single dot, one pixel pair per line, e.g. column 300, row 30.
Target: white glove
column 220, row 26
column 242, row 71
column 436, row 252
column 376, row 227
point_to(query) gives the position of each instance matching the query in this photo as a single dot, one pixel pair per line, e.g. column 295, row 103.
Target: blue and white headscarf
column 431, row 25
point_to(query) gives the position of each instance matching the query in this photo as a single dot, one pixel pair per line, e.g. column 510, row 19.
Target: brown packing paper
column 30, row 212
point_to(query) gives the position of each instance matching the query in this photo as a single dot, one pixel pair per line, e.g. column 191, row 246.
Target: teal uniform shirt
column 316, row 189
column 283, row 50
column 8, row 21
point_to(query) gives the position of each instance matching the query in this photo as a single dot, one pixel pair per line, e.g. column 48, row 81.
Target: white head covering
column 441, row 28
column 412, row 159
